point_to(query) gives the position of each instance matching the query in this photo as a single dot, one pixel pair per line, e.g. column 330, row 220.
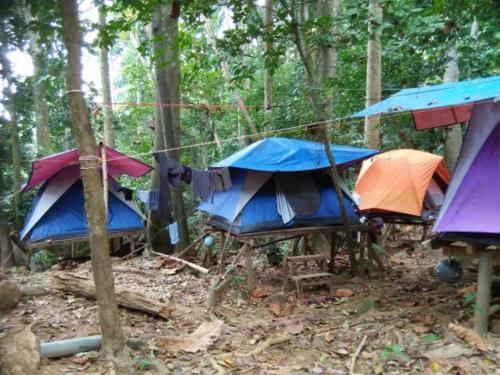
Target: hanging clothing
column 165, row 207
column 202, row 183
column 173, row 231
column 285, row 210
column 154, row 200
column 143, row 196
column 222, row 179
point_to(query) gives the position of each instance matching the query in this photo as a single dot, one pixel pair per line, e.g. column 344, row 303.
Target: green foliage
column 430, row 338
column 142, row 363
column 238, row 280
column 44, row 258
column 393, row 351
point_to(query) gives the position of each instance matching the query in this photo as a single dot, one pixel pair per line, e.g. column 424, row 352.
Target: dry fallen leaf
column 329, row 337
column 200, row 339
column 426, row 319
column 469, row 336
column 260, row 293
column 467, row 290
column 294, row 327
column 419, row 329
column 275, row 308
column 344, row 292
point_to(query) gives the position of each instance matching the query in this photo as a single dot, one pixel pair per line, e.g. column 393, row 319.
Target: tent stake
column 481, row 311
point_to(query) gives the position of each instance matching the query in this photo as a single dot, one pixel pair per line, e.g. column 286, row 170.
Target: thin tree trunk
column 268, row 75
column 237, row 95
column 453, row 134
column 109, row 134
column 157, row 237
column 167, row 74
column 113, row 345
column 373, row 74
column 43, row 142
column 6, row 252
column 13, row 128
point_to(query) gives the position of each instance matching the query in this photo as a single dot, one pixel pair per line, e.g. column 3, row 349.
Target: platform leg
column 250, row 273
column 481, row 311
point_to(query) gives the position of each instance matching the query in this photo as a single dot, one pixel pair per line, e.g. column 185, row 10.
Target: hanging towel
column 173, row 231
column 143, row 196
column 285, row 210
column 154, row 199
column 164, row 201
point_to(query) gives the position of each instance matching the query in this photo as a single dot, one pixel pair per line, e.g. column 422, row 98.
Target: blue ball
column 209, row 241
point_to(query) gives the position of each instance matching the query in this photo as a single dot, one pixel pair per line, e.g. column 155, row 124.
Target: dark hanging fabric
column 165, row 207
column 187, row 176
column 202, row 183
column 300, row 191
column 222, row 179
column 154, row 200
column 128, row 194
column 175, row 172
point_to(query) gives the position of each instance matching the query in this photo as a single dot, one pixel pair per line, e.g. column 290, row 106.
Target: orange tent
column 398, row 181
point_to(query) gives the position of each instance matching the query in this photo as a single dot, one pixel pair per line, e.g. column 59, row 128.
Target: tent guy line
column 327, row 123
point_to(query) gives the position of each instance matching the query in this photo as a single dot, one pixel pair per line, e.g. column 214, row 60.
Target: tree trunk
column 43, row 142
column 373, row 74
column 13, row 129
column 113, row 346
column 167, row 77
column 268, row 75
column 453, row 134
column 6, row 253
column 109, row 135
column 237, row 95
column 157, row 236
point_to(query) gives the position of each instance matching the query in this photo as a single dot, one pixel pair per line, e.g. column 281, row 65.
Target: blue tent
column 58, row 211
column 438, row 105
column 281, row 183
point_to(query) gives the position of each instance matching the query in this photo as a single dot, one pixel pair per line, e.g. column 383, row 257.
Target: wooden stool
column 309, row 279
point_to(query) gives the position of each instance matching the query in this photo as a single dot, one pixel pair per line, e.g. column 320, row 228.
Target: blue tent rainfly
column 439, row 105
column 282, row 183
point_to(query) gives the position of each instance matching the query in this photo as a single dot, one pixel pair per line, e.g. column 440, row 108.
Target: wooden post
column 481, row 311
column 250, row 273
column 73, row 249
column 295, row 245
column 363, row 241
column 132, row 245
column 303, row 245
column 221, row 268
column 333, row 251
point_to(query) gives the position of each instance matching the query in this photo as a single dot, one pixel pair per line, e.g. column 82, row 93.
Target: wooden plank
column 189, row 264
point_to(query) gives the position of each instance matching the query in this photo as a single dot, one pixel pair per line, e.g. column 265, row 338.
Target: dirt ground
column 397, row 323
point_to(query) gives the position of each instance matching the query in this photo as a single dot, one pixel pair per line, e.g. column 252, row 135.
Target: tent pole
column 481, row 311
column 345, row 218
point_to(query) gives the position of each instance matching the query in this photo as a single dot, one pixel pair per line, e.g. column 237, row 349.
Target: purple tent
column 471, row 209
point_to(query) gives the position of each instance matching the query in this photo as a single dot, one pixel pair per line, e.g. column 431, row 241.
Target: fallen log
column 189, row 264
column 35, row 290
column 83, row 286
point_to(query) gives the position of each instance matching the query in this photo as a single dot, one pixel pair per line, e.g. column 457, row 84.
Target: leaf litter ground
column 401, row 319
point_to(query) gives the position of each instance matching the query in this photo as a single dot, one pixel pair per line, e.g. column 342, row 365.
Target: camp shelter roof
column 292, row 155
column 117, row 164
column 472, row 203
column 438, row 105
column 58, row 212
column 397, row 181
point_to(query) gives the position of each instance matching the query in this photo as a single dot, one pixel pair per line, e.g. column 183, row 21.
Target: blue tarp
column 428, row 97
column 292, row 155
column 261, row 212
column 66, row 218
